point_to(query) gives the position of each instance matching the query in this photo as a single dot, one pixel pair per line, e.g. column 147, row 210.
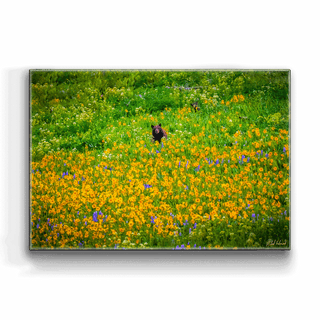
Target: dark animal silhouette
column 195, row 106
column 158, row 133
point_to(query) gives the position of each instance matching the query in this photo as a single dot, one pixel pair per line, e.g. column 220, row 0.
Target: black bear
column 158, row 133
column 195, row 106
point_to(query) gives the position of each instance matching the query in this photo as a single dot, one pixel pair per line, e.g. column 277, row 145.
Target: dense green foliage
column 74, row 109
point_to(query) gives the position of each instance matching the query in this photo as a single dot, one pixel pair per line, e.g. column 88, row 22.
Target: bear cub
column 158, row 133
column 195, row 106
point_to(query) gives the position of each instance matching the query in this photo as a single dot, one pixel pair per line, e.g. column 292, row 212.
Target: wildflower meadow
column 221, row 179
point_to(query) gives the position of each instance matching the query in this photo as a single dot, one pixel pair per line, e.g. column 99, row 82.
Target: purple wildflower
column 95, row 217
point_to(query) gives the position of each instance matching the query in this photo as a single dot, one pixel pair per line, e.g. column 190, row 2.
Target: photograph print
column 159, row 160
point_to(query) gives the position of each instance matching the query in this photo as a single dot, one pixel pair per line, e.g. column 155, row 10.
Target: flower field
column 220, row 180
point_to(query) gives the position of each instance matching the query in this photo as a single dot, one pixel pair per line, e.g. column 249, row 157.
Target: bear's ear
column 159, row 124
column 152, row 126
